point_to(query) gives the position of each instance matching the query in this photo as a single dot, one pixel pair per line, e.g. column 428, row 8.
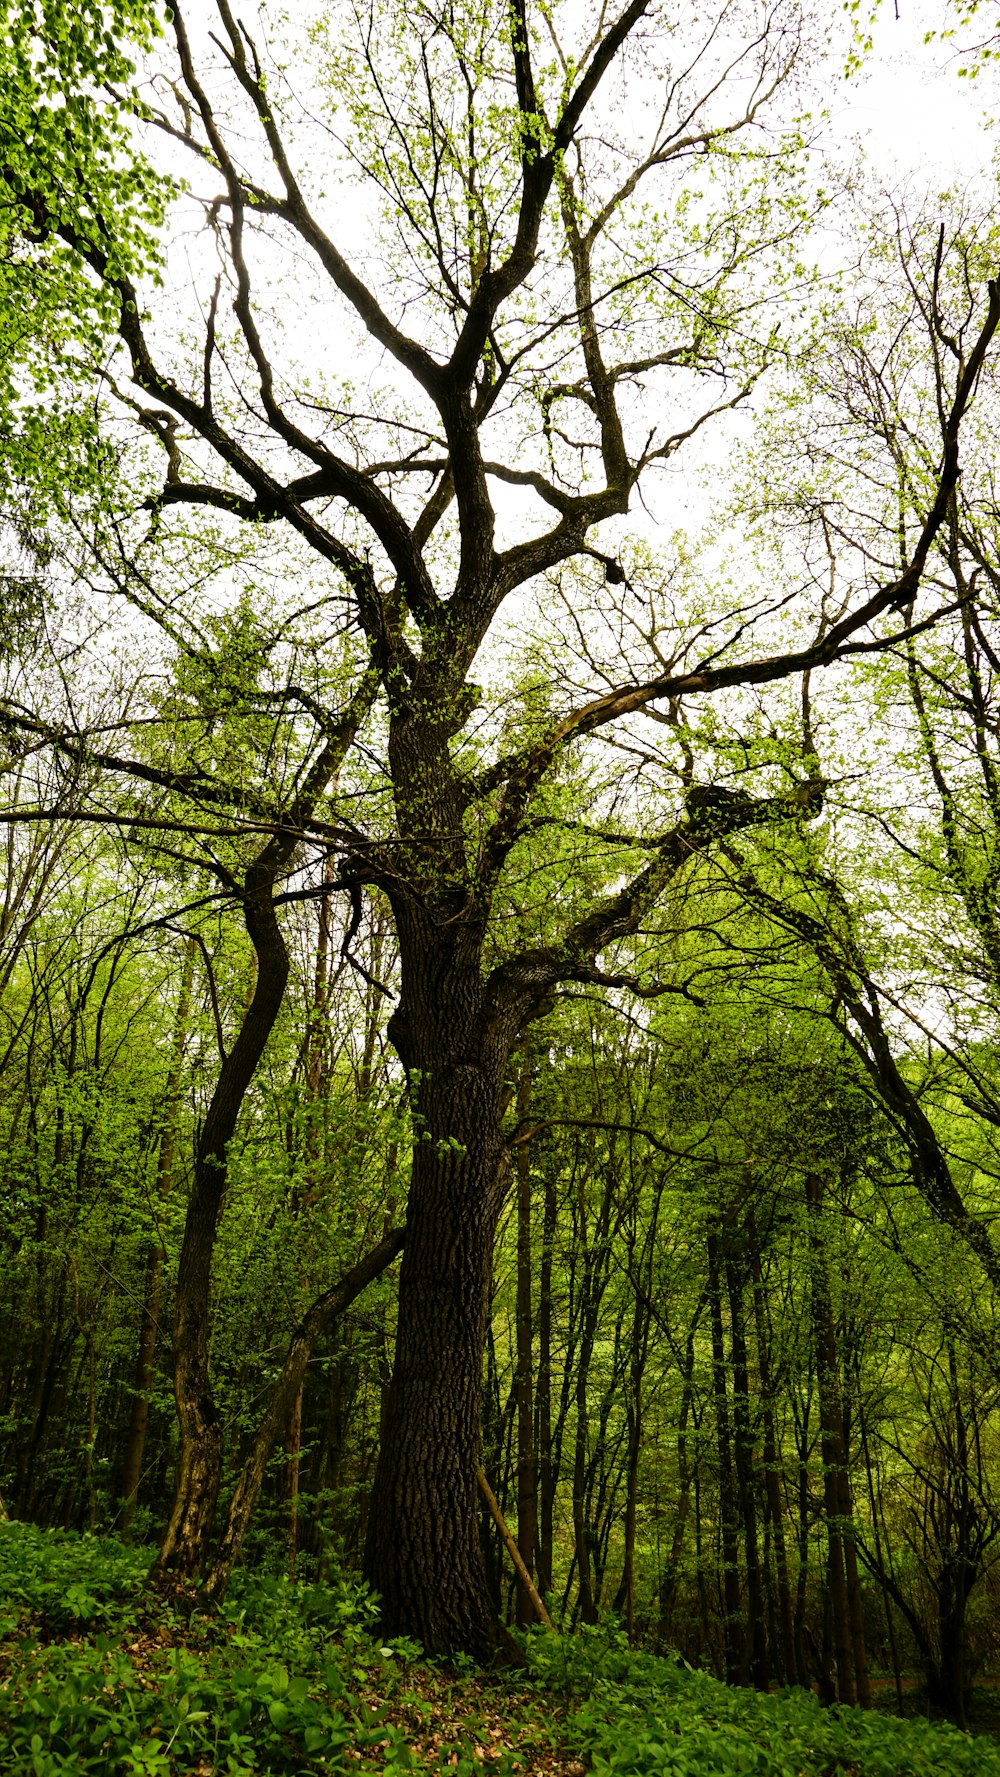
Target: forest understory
column 98, row 1676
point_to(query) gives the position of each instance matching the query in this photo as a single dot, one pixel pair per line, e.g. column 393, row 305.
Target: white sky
column 909, row 105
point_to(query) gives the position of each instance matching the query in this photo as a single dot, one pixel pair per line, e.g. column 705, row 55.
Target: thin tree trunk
column 186, row 1542
column 743, row 1452
column 959, row 1566
column 142, row 1385
column 847, row 1630
column 546, row 1477
column 315, row 1048
column 634, row 1419
column 668, row 1582
column 880, row 1566
column 293, row 1452
column 510, row 1544
column 527, row 1490
column 280, row 1408
column 732, row 1604
column 710, row 1641
column 772, row 1466
column 633, row 1448
column 91, row 1497
column 581, row 1542
column 590, row 1299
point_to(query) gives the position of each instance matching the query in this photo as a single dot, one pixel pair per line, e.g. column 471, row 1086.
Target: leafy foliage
column 283, row 1679
column 641, row 1716
column 97, row 1676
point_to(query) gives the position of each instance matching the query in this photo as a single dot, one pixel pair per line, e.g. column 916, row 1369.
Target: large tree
column 575, row 237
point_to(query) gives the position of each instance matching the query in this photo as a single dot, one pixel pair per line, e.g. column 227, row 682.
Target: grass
column 100, row 1679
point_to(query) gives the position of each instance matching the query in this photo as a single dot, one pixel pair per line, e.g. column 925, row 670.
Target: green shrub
column 634, row 1715
column 64, row 1582
column 264, row 1684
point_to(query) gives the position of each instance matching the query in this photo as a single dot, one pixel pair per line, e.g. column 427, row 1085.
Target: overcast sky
column 911, row 107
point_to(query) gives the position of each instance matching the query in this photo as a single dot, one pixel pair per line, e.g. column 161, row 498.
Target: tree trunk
column 732, row 1605
column 634, row 1419
column 508, row 1540
column 423, row 1553
column 848, row 1630
column 772, row 1466
column 961, row 1555
column 527, row 1491
column 186, row 1542
column 586, row 1601
column 546, row 1477
column 880, row 1566
column 135, row 1440
column 669, row 1577
column 287, row 1394
column 591, row 1291
column 142, row 1384
column 743, row 1452
column 953, row 1593
column 293, row 1451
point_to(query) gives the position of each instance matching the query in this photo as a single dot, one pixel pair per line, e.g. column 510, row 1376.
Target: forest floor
column 99, row 1679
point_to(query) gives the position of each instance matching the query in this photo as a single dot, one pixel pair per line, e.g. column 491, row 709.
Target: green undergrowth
column 101, row 1678
column 634, row 1715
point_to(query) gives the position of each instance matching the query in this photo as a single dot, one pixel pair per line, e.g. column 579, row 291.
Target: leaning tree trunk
column 286, row 1403
column 135, row 1442
column 423, row 1553
column 186, row 1541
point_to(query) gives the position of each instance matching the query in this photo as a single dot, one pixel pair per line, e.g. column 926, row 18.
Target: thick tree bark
column 423, row 1553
